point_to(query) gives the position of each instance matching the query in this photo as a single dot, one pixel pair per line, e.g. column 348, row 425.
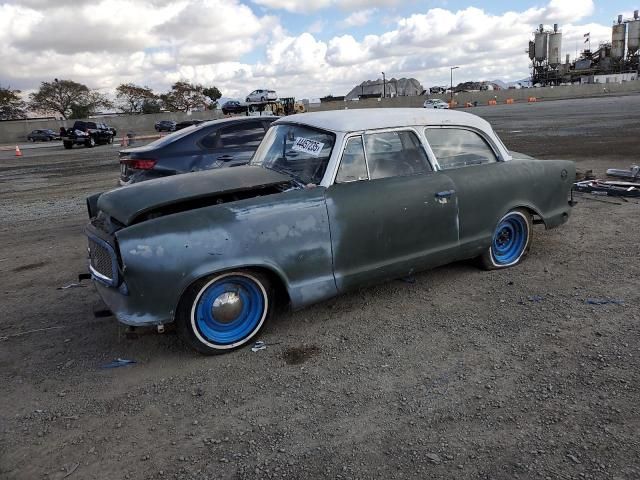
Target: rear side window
column 456, row 148
column 248, row 135
column 395, row 154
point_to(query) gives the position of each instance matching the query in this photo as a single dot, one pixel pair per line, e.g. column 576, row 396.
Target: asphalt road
column 453, row 373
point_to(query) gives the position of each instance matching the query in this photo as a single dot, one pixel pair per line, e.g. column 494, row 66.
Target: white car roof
column 376, row 118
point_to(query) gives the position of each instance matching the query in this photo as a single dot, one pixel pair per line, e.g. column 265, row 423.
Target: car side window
column 353, row 166
column 457, row 147
column 395, row 154
column 243, row 135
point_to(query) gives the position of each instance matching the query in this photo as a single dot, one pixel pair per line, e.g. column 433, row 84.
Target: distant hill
column 394, row 87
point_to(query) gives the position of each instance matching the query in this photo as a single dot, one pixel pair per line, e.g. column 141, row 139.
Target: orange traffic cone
column 18, row 152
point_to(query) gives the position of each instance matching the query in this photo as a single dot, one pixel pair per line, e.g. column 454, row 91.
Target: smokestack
column 619, row 19
column 555, row 27
column 541, row 27
column 635, row 14
column 567, row 59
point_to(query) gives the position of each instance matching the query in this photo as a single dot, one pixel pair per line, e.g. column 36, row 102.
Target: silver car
column 435, row 103
column 262, row 95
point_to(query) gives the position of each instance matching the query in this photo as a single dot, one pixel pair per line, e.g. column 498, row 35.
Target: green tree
column 132, row 98
column 89, row 105
column 67, row 98
column 183, row 97
column 12, row 107
column 151, row 105
column 214, row 94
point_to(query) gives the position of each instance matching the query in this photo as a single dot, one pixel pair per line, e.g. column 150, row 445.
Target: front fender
column 286, row 233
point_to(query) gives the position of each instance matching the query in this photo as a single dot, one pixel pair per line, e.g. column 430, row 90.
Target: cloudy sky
column 302, row 48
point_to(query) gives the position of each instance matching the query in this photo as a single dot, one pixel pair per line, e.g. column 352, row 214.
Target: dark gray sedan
column 215, row 144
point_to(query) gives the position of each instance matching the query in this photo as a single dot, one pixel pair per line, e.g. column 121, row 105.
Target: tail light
column 140, row 163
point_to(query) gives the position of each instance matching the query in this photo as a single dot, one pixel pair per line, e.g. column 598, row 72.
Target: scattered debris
column 408, row 279
column 259, row 345
column 588, row 175
column 573, row 458
column 71, row 285
column 633, row 172
column 535, row 298
column 433, row 458
column 611, row 189
column 604, row 301
column 72, row 469
column 119, row 362
column 7, row 337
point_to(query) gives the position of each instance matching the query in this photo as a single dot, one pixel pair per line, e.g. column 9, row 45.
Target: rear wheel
column 224, row 311
column 68, row 145
column 511, row 241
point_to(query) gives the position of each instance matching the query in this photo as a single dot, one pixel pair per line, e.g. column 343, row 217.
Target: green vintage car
column 331, row 201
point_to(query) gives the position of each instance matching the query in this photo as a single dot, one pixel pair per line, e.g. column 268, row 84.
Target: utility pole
column 451, row 91
column 384, row 86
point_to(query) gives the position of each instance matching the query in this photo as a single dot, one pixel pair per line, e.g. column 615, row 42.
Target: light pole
column 451, row 91
column 384, row 86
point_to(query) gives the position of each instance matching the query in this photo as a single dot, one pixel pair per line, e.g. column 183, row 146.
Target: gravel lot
column 455, row 373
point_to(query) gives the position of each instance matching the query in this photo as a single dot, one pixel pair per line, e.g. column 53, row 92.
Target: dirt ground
column 455, row 373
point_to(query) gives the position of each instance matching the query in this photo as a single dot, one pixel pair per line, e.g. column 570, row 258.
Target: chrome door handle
column 445, row 194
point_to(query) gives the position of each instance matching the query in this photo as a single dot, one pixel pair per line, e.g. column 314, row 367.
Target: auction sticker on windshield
column 306, row 145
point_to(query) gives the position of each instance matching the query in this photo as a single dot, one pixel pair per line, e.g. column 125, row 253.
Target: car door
column 484, row 183
column 233, row 144
column 389, row 212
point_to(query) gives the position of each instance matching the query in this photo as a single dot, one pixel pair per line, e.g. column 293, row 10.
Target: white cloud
column 304, row 6
column 358, row 18
column 157, row 42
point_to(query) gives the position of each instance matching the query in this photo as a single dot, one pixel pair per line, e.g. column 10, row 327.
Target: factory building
column 612, row 62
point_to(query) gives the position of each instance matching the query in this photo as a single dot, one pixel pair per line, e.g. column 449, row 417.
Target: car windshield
column 299, row 151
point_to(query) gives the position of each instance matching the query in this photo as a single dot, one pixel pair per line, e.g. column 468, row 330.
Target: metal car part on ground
column 609, row 188
column 215, row 144
column 331, row 202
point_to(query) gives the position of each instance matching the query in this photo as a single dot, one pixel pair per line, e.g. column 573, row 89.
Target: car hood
column 127, row 204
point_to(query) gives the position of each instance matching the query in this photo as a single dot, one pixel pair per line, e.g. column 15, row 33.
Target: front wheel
column 90, row 143
column 511, row 241
column 224, row 311
column 68, row 145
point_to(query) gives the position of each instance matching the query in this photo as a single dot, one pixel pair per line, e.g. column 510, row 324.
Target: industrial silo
column 541, row 45
column 532, row 50
column 555, row 47
column 617, row 39
column 633, row 40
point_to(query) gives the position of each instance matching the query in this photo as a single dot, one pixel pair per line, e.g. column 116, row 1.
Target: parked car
column 233, row 106
column 262, row 95
column 187, row 123
column 165, row 126
column 43, row 135
column 436, row 103
column 331, row 201
column 88, row 134
column 215, row 144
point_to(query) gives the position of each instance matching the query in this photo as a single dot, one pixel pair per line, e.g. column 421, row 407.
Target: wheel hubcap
column 227, row 307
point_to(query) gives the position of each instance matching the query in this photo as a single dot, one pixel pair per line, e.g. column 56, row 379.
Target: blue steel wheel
column 225, row 311
column 510, row 242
